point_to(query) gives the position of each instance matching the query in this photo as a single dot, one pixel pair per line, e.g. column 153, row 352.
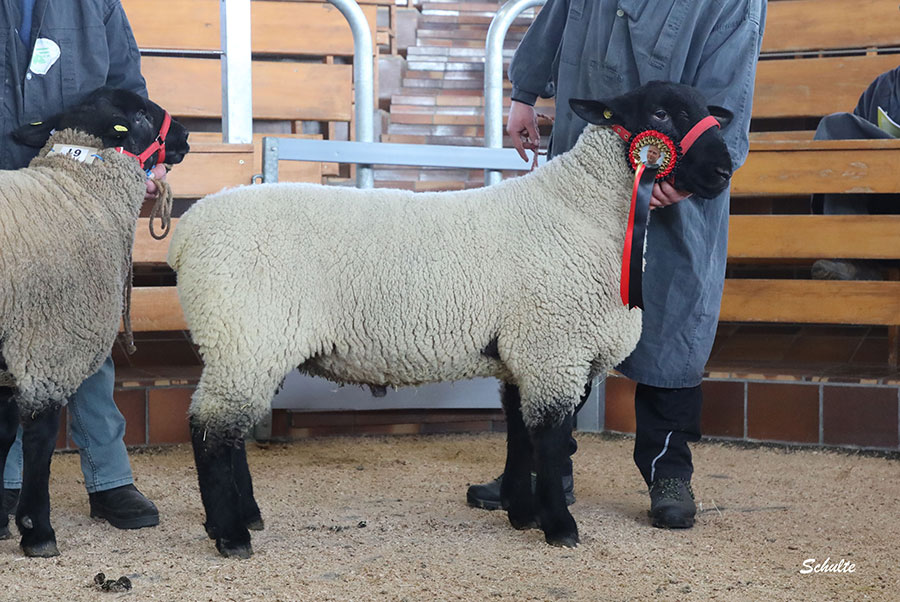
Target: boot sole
column 137, row 522
column 672, row 523
column 475, row 502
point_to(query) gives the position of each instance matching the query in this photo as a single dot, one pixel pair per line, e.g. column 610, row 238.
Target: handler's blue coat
column 96, row 48
column 603, row 48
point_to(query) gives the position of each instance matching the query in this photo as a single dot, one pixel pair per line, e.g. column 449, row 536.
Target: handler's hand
column 159, row 172
column 664, row 194
column 523, row 129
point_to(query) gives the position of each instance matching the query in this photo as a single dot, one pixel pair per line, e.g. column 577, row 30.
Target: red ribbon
column 631, row 287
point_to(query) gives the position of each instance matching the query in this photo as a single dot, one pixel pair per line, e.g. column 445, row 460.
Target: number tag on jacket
column 82, row 154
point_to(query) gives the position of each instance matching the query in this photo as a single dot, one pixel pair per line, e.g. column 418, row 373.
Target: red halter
column 688, row 141
column 158, row 145
column 696, row 131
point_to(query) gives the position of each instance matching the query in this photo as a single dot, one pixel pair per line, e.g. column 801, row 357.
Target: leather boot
column 124, row 507
column 672, row 504
column 487, row 495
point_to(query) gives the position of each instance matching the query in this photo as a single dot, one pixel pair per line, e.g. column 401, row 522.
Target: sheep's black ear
column 35, row 134
column 595, row 111
column 722, row 115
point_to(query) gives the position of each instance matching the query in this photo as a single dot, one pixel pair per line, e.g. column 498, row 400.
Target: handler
column 601, row 49
column 54, row 55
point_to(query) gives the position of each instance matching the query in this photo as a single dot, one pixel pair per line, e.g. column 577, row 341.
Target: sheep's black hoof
column 46, row 549
column 564, row 541
column 255, row 523
column 562, row 533
column 523, row 521
column 5, row 533
column 233, row 550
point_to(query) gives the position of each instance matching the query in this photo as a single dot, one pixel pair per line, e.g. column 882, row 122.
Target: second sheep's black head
column 671, row 109
column 120, row 118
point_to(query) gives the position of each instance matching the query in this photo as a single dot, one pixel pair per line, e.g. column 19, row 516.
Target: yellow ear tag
column 607, row 114
column 36, row 123
column 120, row 128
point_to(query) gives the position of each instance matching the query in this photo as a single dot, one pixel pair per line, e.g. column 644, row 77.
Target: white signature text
column 826, row 566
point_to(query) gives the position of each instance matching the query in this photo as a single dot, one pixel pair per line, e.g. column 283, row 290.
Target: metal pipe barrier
column 237, row 91
column 493, row 76
column 363, row 82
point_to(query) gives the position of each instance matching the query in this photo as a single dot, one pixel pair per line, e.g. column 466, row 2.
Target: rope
column 126, row 309
column 162, row 209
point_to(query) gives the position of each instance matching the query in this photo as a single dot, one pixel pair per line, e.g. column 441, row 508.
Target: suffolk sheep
column 67, row 226
column 518, row 281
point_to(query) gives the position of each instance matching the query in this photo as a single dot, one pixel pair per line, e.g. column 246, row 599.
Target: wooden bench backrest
column 283, row 28
column 805, row 70
column 288, row 83
column 818, row 57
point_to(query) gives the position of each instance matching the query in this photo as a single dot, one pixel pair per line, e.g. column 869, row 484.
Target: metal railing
column 493, row 76
column 237, row 91
column 237, row 103
column 363, row 82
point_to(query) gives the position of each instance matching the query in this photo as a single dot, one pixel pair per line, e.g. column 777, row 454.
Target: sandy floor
column 385, row 519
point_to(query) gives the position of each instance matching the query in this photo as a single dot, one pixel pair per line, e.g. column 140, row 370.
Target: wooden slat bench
column 301, row 72
column 818, row 57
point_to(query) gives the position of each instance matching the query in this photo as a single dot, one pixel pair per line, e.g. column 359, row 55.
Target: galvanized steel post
column 493, row 76
column 237, row 94
column 363, row 82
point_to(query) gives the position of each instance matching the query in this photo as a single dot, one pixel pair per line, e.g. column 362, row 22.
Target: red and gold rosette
column 653, row 149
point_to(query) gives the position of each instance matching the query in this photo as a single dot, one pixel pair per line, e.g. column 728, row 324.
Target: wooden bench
column 818, row 57
column 301, row 72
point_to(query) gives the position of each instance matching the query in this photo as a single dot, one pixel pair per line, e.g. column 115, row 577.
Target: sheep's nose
column 724, row 172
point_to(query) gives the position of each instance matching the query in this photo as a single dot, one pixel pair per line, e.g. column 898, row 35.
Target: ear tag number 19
column 82, row 154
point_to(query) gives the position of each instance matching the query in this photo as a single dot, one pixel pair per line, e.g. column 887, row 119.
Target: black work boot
column 672, row 504
column 487, row 495
column 124, row 507
column 10, row 501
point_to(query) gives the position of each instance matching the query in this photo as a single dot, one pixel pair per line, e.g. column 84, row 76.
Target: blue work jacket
column 81, row 46
column 603, row 48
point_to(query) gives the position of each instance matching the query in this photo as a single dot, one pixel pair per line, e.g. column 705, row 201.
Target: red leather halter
column 688, row 141
column 158, row 145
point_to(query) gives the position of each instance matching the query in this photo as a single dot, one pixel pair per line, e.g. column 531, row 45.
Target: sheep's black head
column 120, row 118
column 671, row 109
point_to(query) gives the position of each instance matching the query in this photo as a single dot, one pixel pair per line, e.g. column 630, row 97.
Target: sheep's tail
column 162, row 209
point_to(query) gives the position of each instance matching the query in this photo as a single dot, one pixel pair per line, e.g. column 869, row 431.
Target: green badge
column 46, row 53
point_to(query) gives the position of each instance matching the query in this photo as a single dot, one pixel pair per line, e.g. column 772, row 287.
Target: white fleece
column 390, row 287
column 66, row 233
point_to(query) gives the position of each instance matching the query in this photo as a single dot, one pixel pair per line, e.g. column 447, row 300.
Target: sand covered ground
column 362, row 518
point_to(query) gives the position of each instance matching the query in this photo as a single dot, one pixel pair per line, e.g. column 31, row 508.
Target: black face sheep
column 67, row 226
column 518, row 281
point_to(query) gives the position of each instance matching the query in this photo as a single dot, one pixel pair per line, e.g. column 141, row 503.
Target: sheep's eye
column 660, row 115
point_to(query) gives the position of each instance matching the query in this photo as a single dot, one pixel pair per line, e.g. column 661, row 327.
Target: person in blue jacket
column 601, row 49
column 862, row 124
column 54, row 53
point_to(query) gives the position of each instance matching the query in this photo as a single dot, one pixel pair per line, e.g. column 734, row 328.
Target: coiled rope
column 162, row 210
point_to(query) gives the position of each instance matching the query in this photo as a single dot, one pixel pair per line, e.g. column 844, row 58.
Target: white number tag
column 82, row 154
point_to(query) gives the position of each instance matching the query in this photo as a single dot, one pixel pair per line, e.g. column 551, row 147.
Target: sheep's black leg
column 551, row 443
column 250, row 514
column 216, row 460
column 9, row 422
column 33, row 513
column 516, row 494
